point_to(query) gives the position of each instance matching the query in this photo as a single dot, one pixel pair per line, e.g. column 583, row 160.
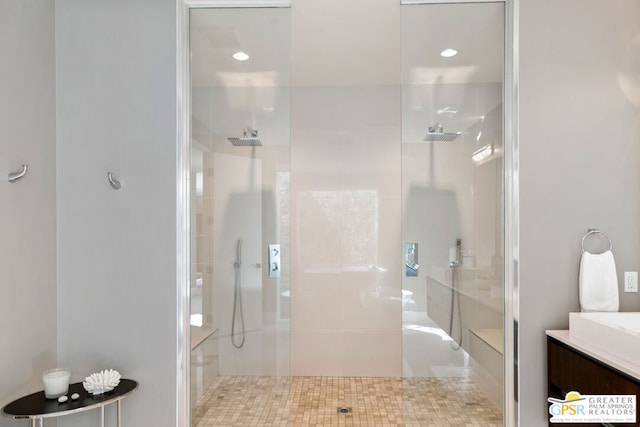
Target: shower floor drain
column 344, row 410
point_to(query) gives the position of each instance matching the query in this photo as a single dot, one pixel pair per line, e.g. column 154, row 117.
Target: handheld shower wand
column 454, row 263
column 237, row 300
column 454, row 254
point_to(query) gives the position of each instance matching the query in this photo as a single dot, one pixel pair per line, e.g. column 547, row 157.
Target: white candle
column 56, row 382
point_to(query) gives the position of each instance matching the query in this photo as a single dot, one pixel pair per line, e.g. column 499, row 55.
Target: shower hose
column 237, row 300
column 453, row 300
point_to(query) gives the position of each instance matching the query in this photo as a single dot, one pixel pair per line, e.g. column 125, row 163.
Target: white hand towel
column 598, row 282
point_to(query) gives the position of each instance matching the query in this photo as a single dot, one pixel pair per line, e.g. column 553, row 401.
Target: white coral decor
column 101, row 382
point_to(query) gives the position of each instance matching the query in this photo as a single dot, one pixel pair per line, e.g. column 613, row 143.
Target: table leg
column 40, row 422
column 119, row 420
column 102, row 416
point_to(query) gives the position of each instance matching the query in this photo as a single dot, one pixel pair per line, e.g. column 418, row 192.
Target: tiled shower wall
column 345, row 189
column 244, row 195
column 346, row 219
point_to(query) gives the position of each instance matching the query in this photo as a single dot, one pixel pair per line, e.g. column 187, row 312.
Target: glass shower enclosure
column 347, row 196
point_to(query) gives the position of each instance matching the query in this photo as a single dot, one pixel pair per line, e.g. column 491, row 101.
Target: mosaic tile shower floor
column 313, row 401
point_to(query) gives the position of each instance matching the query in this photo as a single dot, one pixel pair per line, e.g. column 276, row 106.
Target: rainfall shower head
column 249, row 139
column 436, row 133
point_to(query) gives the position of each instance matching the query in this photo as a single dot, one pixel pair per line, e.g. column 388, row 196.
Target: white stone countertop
column 631, row 369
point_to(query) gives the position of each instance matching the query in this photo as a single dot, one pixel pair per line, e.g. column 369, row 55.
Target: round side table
column 36, row 407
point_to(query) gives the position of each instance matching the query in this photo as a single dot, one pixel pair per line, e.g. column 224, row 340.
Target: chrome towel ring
column 594, row 231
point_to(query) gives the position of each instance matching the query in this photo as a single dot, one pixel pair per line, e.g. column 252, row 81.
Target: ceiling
column 355, row 42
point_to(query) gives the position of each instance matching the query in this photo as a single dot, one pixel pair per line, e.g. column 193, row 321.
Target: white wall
column 345, row 231
column 579, row 163
column 345, row 188
column 116, row 79
column 27, row 216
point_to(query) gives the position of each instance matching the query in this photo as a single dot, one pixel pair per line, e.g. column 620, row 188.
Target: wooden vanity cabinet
column 571, row 370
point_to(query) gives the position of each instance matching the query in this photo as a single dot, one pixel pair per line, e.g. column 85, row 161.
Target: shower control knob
column 274, row 261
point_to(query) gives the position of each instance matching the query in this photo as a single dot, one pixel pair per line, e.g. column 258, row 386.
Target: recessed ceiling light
column 448, row 53
column 240, row 56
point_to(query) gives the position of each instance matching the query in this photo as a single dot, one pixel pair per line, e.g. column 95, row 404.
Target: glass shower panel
column 240, row 101
column 452, row 198
column 309, row 147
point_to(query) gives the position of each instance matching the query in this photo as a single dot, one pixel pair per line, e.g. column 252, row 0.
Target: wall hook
column 114, row 182
column 14, row 176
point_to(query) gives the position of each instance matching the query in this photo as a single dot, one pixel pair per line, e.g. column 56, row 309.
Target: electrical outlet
column 631, row 281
